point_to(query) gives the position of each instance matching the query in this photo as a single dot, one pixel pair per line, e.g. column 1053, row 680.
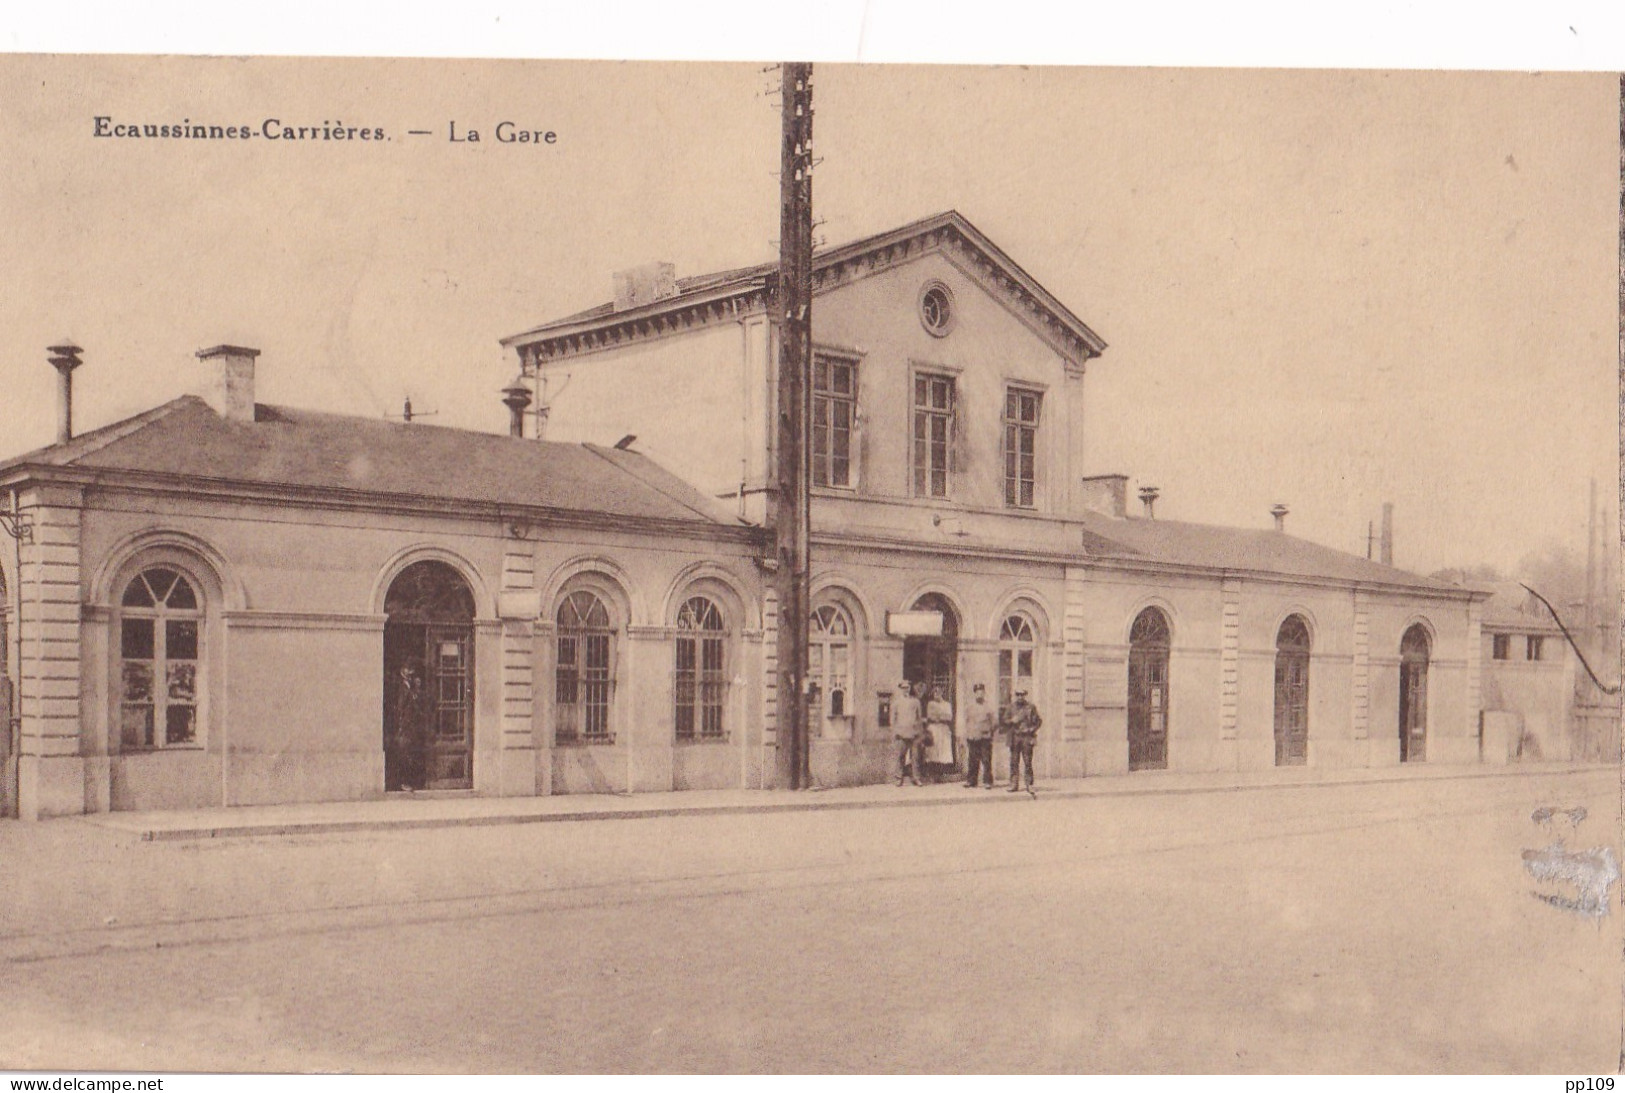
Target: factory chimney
column 1387, row 555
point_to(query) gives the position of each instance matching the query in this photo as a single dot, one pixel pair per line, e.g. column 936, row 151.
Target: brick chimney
column 1106, row 494
column 644, row 284
column 230, row 385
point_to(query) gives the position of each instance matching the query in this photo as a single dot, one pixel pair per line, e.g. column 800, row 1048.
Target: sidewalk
column 424, row 811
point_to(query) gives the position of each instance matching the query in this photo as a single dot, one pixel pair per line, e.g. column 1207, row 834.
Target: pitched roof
column 1511, row 607
column 286, row 447
column 726, row 283
column 1244, row 549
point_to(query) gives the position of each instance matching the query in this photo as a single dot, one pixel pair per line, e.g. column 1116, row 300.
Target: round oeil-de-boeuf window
column 937, row 309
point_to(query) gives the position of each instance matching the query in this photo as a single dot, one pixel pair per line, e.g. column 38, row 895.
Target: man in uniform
column 910, row 732
column 1022, row 722
column 979, row 729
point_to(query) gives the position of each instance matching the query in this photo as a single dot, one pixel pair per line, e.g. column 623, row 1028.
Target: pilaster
column 770, row 670
column 51, row 770
column 1362, row 665
column 1229, row 656
column 1072, row 640
column 1475, row 615
column 518, row 606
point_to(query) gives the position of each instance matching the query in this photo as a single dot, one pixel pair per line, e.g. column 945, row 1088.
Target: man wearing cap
column 979, row 728
column 910, row 732
column 1022, row 722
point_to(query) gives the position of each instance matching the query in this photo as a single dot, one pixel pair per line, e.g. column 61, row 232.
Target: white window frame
column 1014, row 427
column 579, row 679
column 160, row 700
column 830, row 398
column 950, row 417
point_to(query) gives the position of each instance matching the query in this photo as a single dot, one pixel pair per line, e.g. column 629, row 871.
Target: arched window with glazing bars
column 160, row 635
column 829, row 658
column 1018, row 645
column 584, row 671
column 700, row 681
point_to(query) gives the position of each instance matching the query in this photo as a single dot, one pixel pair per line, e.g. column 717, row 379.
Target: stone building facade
column 950, row 482
column 221, row 602
column 236, row 604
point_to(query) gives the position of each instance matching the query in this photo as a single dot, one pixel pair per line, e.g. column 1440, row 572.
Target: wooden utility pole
column 793, row 300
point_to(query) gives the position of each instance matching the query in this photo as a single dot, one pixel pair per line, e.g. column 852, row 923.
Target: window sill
column 586, row 742
column 699, row 741
column 165, row 750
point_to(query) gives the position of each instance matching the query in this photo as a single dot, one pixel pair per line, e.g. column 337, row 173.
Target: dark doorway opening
column 1413, row 695
column 429, row 680
column 1292, row 693
column 934, row 661
column 1148, row 645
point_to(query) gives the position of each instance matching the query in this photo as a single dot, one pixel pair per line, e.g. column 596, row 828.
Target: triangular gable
column 726, row 296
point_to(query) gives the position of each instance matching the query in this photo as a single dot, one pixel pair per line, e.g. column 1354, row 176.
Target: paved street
column 1329, row 928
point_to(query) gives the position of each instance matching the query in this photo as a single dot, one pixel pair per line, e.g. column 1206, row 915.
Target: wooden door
column 1414, row 651
column 448, row 762
column 1413, row 711
column 1291, row 708
column 1149, row 641
column 1148, row 708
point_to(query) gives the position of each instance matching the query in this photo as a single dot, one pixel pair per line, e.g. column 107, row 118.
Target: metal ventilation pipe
column 1279, row 512
column 516, row 396
column 1148, row 498
column 64, row 358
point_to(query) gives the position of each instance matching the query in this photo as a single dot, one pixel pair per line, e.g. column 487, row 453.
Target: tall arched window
column 1017, row 644
column 160, row 634
column 1292, row 649
column 829, row 658
column 701, row 680
column 584, row 675
column 1414, row 652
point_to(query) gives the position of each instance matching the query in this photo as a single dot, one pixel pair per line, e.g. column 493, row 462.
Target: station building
column 230, row 603
column 220, row 602
column 959, row 536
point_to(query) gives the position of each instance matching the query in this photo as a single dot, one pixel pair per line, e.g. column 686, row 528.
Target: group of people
column 923, row 719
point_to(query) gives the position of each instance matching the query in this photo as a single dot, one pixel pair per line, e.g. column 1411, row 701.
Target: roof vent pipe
column 1148, row 498
column 516, row 396
column 64, row 358
column 1279, row 512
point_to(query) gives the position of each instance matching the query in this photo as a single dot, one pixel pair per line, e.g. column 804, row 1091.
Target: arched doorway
column 429, row 679
column 1292, row 693
column 934, row 661
column 1148, row 644
column 1413, row 695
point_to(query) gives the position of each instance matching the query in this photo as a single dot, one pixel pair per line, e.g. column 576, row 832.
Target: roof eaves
column 594, row 318
column 65, row 454
column 653, row 481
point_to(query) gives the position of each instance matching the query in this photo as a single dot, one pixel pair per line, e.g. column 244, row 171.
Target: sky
column 1329, row 289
